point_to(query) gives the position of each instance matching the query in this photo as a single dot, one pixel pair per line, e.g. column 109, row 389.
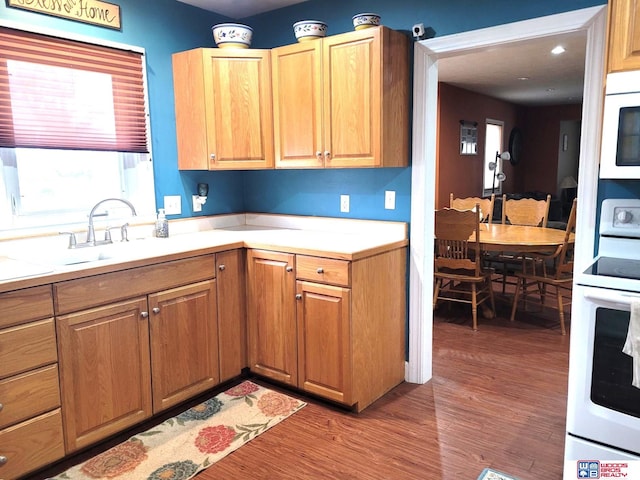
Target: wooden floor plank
column 497, row 399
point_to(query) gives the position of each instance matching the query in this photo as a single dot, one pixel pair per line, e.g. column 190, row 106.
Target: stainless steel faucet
column 91, row 234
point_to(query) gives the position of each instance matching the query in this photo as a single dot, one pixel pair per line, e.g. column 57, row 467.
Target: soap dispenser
column 162, row 224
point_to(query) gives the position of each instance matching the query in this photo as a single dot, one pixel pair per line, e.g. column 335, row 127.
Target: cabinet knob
column 327, row 154
column 213, row 157
column 299, row 296
column 3, row 459
column 1, row 407
column 221, row 267
column 319, row 155
column 155, row 310
column 289, row 268
column 144, row 314
column 320, row 270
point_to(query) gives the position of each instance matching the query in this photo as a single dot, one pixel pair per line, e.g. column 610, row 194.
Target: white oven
column 603, row 407
column 620, row 154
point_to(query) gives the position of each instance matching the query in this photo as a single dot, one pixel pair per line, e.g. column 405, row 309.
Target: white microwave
column 620, row 153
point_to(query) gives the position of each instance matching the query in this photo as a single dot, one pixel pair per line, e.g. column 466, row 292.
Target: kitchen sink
column 74, row 256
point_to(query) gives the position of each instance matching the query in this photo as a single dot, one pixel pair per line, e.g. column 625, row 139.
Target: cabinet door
column 297, row 105
column 232, row 317
column 366, row 98
column 238, row 108
column 184, row 343
column 324, row 341
column 271, row 315
column 104, row 370
column 352, row 77
column 624, row 35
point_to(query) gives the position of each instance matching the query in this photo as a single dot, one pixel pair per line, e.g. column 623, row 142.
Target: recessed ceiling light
column 558, row 50
column 551, row 89
column 523, row 78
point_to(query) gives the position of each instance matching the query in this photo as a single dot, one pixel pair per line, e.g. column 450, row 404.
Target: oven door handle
column 612, row 298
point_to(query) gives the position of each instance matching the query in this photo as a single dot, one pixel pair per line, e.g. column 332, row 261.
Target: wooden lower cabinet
column 184, row 343
column 30, row 420
column 32, row 444
column 271, row 315
column 338, row 332
column 232, row 323
column 324, row 340
column 105, row 373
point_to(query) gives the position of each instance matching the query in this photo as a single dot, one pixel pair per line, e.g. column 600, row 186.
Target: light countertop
column 29, row 263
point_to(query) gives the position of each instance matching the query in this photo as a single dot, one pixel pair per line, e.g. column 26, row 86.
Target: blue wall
column 163, row 27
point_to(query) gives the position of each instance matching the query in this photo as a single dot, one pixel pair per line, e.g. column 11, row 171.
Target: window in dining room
column 492, row 145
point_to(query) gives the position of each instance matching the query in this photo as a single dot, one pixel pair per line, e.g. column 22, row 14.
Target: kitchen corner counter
column 23, row 265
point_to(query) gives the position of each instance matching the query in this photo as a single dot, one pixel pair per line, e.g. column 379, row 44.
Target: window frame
column 146, row 216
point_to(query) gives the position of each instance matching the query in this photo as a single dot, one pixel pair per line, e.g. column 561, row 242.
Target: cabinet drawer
column 25, row 305
column 27, row 395
column 25, row 347
column 325, row 270
column 31, row 445
column 82, row 293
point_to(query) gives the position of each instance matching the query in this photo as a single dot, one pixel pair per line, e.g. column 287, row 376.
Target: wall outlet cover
column 390, row 200
column 344, row 203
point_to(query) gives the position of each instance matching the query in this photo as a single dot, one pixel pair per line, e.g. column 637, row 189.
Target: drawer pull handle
column 221, row 268
column 299, row 296
column 3, row 459
column 144, row 314
column 289, row 268
column 155, row 310
column 320, row 270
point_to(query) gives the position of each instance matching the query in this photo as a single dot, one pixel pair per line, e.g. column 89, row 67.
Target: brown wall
column 462, row 174
column 540, row 145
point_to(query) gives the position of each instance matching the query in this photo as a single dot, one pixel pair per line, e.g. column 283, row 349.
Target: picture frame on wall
column 468, row 138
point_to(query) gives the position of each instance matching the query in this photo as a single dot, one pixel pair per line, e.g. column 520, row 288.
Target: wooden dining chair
column 523, row 211
column 458, row 273
column 553, row 269
column 468, row 203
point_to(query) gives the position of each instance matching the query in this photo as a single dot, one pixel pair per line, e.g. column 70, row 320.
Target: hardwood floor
column 497, row 399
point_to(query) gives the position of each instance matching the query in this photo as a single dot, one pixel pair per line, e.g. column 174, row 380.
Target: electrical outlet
column 197, row 204
column 344, row 203
column 390, row 200
column 172, row 204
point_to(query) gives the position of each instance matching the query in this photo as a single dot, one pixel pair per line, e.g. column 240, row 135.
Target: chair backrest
column 454, row 250
column 468, row 203
column 526, row 211
column 564, row 262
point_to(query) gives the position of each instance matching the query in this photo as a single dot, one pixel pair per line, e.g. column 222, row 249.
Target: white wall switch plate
column 390, row 200
column 344, row 203
column 173, row 204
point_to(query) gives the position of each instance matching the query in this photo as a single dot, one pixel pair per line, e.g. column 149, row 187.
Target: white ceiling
column 552, row 79
column 240, row 8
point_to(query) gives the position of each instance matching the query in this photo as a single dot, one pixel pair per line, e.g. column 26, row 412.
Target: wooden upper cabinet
column 342, row 101
column 223, row 109
column 624, row 35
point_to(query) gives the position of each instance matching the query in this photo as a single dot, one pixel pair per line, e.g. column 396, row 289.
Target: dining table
column 520, row 238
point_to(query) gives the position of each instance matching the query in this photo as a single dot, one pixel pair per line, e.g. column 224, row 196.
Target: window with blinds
column 73, row 129
column 72, row 95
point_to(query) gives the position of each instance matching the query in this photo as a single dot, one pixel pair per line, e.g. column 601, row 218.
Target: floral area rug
column 489, row 474
column 186, row 444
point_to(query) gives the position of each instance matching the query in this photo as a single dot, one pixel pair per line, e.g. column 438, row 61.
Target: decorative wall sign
column 468, row 138
column 95, row 12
